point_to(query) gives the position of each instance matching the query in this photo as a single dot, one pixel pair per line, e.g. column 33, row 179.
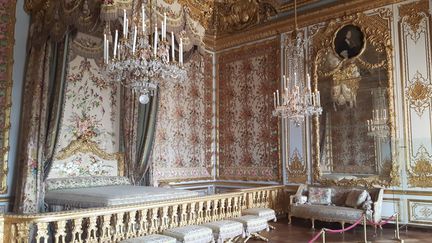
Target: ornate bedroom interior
column 124, row 119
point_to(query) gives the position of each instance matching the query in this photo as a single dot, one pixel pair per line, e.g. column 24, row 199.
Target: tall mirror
column 353, row 139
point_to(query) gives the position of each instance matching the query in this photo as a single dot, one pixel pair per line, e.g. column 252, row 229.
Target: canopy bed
column 85, row 176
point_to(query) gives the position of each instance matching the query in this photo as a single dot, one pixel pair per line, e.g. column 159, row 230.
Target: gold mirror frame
column 376, row 30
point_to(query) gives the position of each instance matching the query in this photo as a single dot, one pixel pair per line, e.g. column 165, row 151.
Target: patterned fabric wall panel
column 182, row 148
column 90, row 112
column 248, row 133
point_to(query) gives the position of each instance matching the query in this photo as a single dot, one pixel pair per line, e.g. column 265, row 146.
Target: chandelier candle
column 141, row 62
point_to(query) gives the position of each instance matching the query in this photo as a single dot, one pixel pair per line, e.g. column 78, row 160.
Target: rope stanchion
column 324, row 230
column 383, row 222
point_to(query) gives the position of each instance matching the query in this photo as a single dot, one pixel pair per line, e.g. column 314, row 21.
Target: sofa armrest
column 377, row 206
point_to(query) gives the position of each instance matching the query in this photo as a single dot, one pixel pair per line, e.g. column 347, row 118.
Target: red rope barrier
column 316, row 236
column 335, row 231
column 383, row 222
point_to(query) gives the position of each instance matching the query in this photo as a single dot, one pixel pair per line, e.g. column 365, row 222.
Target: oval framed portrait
column 349, row 41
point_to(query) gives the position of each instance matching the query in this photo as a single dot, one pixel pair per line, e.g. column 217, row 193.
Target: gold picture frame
column 6, row 66
column 376, row 33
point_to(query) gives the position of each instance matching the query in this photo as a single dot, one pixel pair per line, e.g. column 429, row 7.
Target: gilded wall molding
column 413, row 14
column 7, row 40
column 418, row 93
column 414, row 34
column 296, row 168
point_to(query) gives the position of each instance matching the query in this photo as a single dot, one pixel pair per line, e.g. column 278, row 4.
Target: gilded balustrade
column 113, row 224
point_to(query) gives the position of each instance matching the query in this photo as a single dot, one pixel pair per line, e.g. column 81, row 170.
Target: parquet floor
column 300, row 231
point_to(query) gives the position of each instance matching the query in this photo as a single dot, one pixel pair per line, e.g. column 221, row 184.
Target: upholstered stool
column 151, row 239
column 191, row 234
column 267, row 213
column 253, row 225
column 226, row 230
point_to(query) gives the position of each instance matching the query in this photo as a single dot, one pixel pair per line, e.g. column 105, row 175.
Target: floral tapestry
column 90, row 113
column 7, row 30
column 182, row 148
column 248, row 133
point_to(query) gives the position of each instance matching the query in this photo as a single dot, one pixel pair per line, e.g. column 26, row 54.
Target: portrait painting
column 349, row 41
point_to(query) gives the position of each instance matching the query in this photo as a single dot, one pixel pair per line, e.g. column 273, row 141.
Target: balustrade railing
column 113, row 224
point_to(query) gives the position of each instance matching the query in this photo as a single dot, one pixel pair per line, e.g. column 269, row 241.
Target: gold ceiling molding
column 231, row 16
column 273, row 28
column 199, row 10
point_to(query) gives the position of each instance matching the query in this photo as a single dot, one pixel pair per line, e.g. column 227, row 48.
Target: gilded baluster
column 236, row 206
column 60, row 233
column 131, row 225
column 221, row 209
column 200, row 213
column 183, row 215
column 207, row 217
column 119, row 227
column 77, row 231
column 174, row 216
column 229, row 212
column 154, row 221
column 143, row 225
column 42, row 232
column 106, row 229
column 215, row 210
column 164, row 219
column 22, row 232
column 192, row 213
column 91, row 230
column 243, row 201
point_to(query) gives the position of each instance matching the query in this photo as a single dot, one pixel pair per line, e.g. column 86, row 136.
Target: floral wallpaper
column 182, row 146
column 90, row 112
column 248, row 133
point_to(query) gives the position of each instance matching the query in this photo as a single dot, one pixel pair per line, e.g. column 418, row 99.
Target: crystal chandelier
column 138, row 59
column 377, row 126
column 295, row 102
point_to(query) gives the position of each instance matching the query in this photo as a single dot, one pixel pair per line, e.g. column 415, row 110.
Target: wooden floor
column 300, row 231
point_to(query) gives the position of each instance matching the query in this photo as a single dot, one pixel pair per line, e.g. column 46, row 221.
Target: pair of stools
column 254, row 221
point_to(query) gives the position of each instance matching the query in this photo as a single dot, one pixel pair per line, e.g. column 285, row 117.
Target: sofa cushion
column 318, row 195
column 326, row 213
column 191, row 234
column 356, row 198
column 151, row 239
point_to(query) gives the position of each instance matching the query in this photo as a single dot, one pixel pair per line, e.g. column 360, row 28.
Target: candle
column 318, row 98
column 277, row 97
column 165, row 25
column 181, row 51
column 124, row 23
column 385, row 113
column 295, row 79
column 104, row 48
column 134, row 40
column 143, row 19
column 115, row 43
column 155, row 41
column 308, row 82
column 127, row 27
column 107, row 51
column 162, row 30
column 368, row 122
column 172, row 47
column 274, row 99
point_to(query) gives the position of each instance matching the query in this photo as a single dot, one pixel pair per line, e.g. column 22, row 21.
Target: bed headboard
column 84, row 158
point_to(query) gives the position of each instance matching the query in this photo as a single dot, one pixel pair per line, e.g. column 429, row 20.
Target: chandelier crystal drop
column 139, row 61
column 295, row 102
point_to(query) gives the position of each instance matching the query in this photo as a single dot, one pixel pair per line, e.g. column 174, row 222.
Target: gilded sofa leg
column 343, row 226
column 313, row 223
column 289, row 218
